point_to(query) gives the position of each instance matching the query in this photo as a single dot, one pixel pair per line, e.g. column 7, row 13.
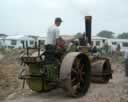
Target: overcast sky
column 34, row 16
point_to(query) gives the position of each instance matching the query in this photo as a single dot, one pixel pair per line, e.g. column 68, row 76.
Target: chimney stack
column 88, row 24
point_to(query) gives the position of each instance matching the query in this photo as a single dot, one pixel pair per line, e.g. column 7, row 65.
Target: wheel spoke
column 73, row 79
column 82, row 67
column 81, row 76
column 74, row 71
column 78, row 75
column 75, row 82
column 77, row 64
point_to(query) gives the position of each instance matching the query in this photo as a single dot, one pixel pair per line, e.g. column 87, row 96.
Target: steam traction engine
column 72, row 71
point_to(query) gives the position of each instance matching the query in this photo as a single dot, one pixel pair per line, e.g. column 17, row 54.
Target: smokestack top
column 88, row 17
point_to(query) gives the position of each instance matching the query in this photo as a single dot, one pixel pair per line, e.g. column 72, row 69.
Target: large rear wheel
column 75, row 74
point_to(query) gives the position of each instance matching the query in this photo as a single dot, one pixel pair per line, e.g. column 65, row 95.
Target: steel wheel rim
column 78, row 75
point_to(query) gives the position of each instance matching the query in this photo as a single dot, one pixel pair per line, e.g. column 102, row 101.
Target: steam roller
column 72, row 71
column 72, row 74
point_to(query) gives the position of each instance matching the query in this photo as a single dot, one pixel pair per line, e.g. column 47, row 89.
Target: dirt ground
column 11, row 89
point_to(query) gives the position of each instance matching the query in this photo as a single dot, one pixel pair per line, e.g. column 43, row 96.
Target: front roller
column 101, row 71
column 75, row 74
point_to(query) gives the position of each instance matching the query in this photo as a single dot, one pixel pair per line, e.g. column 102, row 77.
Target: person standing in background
column 126, row 62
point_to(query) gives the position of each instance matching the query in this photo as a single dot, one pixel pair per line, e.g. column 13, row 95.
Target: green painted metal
column 35, row 69
column 37, row 82
column 52, row 72
column 73, row 48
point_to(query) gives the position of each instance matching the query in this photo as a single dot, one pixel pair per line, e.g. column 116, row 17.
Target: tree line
column 110, row 34
column 107, row 34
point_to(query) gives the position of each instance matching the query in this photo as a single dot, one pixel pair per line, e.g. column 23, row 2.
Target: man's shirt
column 52, row 35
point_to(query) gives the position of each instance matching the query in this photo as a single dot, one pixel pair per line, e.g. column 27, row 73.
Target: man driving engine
column 51, row 41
